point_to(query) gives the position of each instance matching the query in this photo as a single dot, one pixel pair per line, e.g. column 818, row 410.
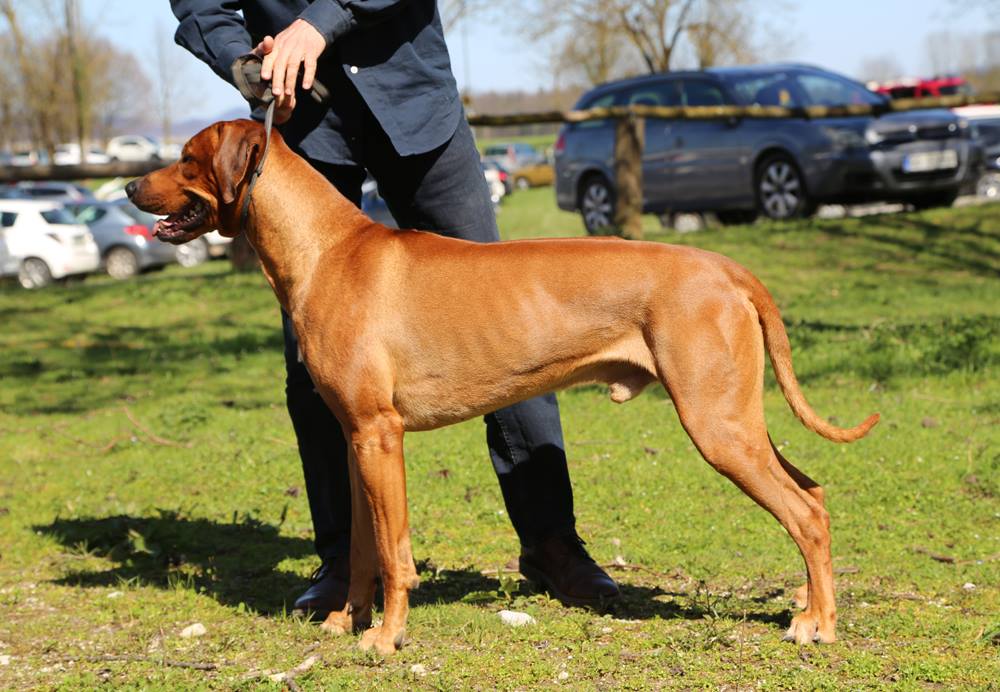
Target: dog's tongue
column 161, row 226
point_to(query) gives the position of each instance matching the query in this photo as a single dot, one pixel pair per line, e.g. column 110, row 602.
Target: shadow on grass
column 237, row 563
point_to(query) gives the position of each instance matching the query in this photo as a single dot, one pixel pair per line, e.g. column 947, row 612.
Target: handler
column 395, row 111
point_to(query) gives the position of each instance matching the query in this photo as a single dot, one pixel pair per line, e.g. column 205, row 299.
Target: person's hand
column 298, row 45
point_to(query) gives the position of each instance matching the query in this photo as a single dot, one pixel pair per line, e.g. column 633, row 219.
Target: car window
column 700, row 92
column 988, row 131
column 89, row 215
column 7, row 219
column 495, row 150
column 827, row 90
column 58, row 215
column 602, row 102
column 775, row 89
column 903, row 92
column 662, row 94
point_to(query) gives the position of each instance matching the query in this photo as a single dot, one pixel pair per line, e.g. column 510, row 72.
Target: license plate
column 924, row 161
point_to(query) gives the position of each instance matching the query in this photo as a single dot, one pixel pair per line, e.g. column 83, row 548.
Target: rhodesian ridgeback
column 408, row 330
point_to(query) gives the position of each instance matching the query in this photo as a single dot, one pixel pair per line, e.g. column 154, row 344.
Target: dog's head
column 199, row 192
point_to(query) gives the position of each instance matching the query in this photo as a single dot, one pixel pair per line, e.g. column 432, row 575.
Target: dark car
column 781, row 168
column 126, row 246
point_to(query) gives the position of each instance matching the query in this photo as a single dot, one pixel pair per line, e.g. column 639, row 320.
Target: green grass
column 149, row 480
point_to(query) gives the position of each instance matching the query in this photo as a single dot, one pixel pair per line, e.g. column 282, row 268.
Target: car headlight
column 873, row 137
column 844, row 138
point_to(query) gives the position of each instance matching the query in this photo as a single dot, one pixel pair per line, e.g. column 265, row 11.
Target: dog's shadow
column 238, row 564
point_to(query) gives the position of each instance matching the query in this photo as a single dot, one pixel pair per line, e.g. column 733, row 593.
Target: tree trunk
column 630, row 135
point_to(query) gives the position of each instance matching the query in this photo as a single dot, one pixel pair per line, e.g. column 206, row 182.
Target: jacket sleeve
column 334, row 18
column 212, row 30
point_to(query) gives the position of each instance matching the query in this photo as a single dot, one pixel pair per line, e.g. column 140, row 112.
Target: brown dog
column 404, row 330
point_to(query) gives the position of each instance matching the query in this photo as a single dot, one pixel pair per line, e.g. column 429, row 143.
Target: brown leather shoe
column 562, row 566
column 328, row 591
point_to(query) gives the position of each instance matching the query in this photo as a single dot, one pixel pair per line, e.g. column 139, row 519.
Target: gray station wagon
column 781, row 168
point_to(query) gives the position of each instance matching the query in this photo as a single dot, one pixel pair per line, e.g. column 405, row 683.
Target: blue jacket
column 390, row 52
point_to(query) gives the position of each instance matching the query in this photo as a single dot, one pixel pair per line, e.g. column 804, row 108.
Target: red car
column 923, row 88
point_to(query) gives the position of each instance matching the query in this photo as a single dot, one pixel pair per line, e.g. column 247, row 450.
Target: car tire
column 932, row 200
column 121, row 263
column 597, row 205
column 736, row 217
column 522, row 183
column 192, row 253
column 34, row 273
column 781, row 189
column 988, row 185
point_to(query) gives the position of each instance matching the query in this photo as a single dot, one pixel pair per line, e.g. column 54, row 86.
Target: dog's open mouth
column 175, row 227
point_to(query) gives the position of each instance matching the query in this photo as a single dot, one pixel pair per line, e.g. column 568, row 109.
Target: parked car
column 54, row 191
column 534, row 175
column 492, row 172
column 126, row 246
column 26, row 157
column 502, row 173
column 133, row 148
column 985, row 123
column 190, row 254
column 374, row 206
column 782, row 168
column 48, row 241
column 69, row 155
column 512, row 155
column 917, row 87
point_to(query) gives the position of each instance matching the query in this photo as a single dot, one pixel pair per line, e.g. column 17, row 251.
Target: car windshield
column 798, row 89
column 58, row 215
column 145, row 218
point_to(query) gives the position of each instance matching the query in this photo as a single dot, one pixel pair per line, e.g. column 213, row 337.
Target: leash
column 255, row 176
column 246, row 77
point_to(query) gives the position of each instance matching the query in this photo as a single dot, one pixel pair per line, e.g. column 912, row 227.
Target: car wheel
column 522, row 183
column 34, row 273
column 736, row 217
column 932, row 200
column 192, row 253
column 121, row 263
column 597, row 205
column 781, row 191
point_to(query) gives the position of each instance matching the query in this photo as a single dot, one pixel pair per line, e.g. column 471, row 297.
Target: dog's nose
column 130, row 189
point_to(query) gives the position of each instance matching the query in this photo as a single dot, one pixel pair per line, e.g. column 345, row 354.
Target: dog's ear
column 237, row 150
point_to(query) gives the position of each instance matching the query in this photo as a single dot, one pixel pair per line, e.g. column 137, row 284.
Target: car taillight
column 503, row 176
column 139, row 229
column 560, row 146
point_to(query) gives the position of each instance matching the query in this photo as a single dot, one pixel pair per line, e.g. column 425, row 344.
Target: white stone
column 195, row 630
column 515, row 618
column 418, row 669
column 4, row 660
column 115, row 594
column 563, row 675
column 969, row 586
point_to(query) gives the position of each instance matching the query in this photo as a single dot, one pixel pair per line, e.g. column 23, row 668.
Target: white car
column 133, row 148
column 45, row 242
column 69, row 155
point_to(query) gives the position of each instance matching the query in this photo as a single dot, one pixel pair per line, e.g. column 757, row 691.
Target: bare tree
column 79, row 72
column 879, row 68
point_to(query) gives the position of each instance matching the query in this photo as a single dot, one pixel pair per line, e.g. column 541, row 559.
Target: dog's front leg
column 377, row 443
column 357, row 613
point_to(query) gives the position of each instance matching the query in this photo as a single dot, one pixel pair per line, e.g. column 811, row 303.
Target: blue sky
column 836, row 35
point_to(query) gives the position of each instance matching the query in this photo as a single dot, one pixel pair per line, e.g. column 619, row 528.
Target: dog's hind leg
column 715, row 378
column 808, row 485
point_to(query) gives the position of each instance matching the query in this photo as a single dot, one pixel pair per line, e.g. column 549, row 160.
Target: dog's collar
column 255, row 175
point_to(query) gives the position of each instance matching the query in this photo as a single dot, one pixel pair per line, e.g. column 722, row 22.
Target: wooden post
column 630, row 136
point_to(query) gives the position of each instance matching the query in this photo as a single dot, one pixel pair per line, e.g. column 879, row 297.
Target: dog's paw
column 337, row 623
column 806, row 628
column 383, row 641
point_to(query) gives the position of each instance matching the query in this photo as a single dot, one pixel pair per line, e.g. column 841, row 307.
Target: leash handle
column 246, row 76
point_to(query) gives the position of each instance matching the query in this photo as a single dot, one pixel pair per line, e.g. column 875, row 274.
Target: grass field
column 149, row 481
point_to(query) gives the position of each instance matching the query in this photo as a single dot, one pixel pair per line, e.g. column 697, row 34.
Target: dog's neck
column 297, row 218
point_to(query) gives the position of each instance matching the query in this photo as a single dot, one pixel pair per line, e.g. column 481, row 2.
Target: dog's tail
column 780, row 351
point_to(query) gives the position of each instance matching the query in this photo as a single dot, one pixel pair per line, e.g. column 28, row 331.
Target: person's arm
column 334, row 18
column 214, row 31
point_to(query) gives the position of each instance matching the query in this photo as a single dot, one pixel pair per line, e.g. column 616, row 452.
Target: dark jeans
column 443, row 189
